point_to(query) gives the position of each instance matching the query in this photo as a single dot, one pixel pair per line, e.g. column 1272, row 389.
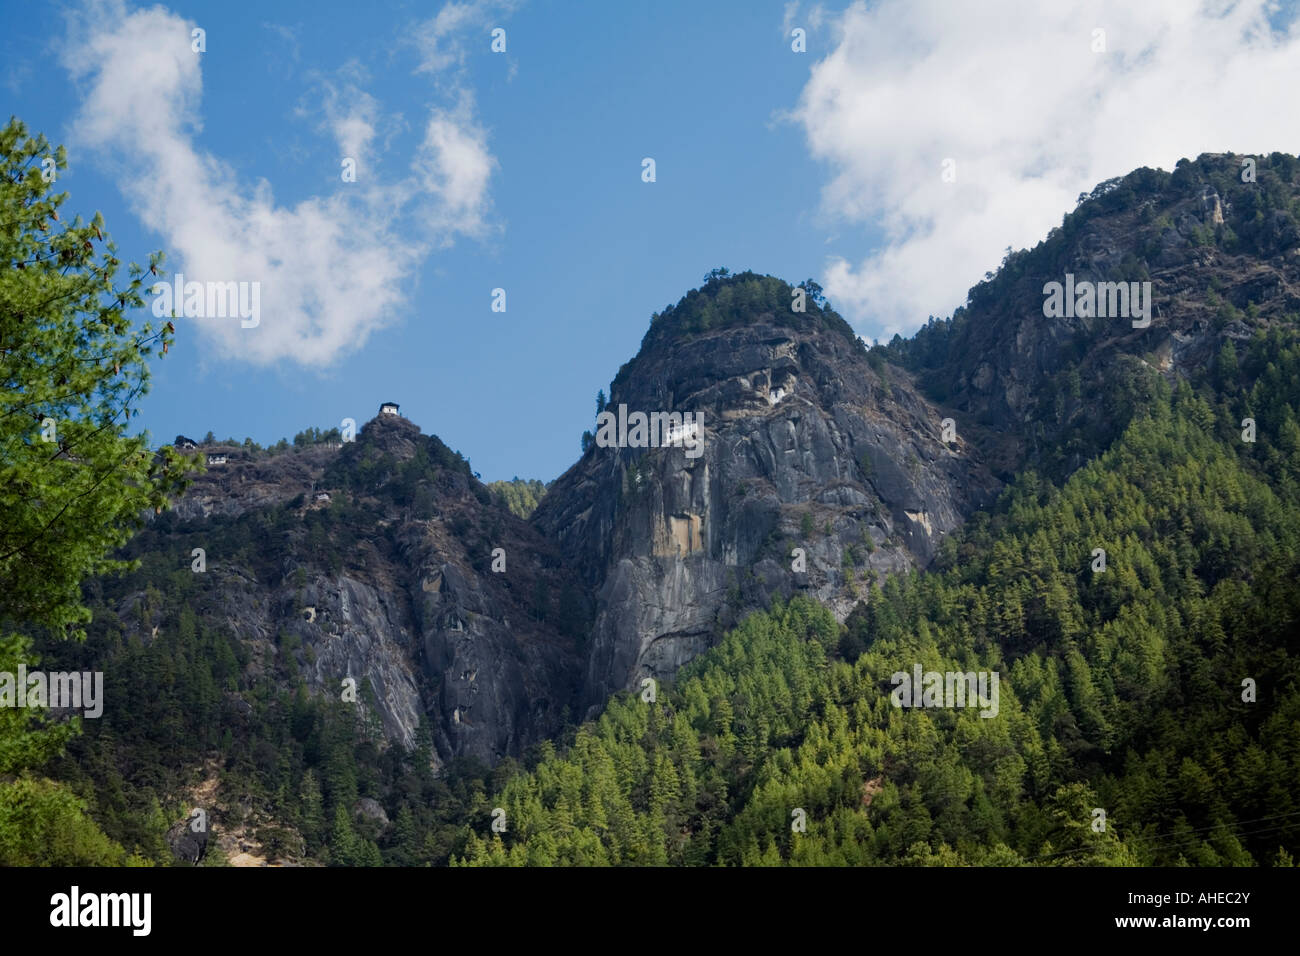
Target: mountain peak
column 727, row 300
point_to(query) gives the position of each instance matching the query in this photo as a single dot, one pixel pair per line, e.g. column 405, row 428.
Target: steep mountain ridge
column 823, row 468
column 1218, row 239
column 806, row 446
column 378, row 559
column 387, row 581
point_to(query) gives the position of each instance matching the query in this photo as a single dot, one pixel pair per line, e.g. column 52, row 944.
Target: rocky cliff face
column 823, row 466
column 806, row 446
column 1221, row 251
column 821, row 470
column 389, row 582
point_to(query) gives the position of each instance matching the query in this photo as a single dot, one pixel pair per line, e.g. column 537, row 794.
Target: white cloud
column 454, row 166
column 441, row 40
column 333, row 268
column 351, row 116
column 787, row 20
column 1013, row 92
column 812, row 20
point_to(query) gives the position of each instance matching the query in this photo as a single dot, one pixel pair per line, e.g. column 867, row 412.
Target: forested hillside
column 1220, row 252
column 1121, row 691
column 349, row 651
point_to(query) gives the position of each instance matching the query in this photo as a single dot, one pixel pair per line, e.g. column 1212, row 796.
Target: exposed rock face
column 249, row 481
column 504, row 678
column 372, row 810
column 822, row 466
column 1052, row 392
column 818, row 473
column 806, row 447
column 188, row 845
column 389, row 584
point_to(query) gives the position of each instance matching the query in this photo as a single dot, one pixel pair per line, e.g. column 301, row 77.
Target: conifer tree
column 73, row 481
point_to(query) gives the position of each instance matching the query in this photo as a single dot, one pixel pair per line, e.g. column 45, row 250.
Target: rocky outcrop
column 413, row 589
column 1222, row 256
column 188, row 842
column 823, row 467
column 818, row 474
column 385, row 594
column 249, row 481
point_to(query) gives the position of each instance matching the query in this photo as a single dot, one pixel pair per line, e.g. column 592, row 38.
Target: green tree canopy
column 73, row 484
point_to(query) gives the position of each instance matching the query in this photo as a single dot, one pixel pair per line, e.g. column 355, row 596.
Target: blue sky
column 585, row 250
column 522, row 170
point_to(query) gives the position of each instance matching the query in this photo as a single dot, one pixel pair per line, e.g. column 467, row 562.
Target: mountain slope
column 1121, row 697
column 809, row 443
column 387, row 581
column 824, row 473
column 1222, row 256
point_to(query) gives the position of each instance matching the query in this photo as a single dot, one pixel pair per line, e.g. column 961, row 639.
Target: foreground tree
column 73, row 484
